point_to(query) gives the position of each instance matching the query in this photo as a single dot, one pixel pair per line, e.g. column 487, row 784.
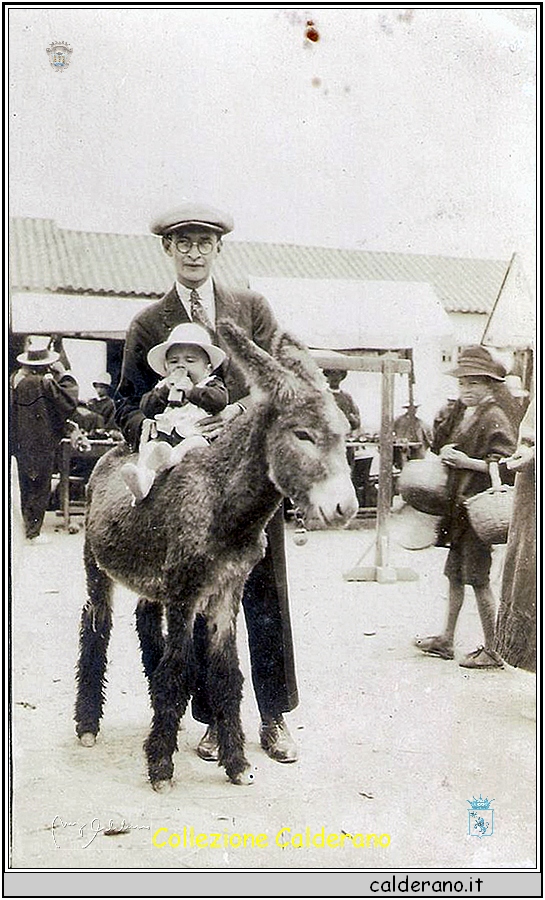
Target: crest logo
column 59, row 55
column 480, row 817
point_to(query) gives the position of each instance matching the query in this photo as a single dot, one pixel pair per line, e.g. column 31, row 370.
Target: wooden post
column 388, row 366
column 384, row 572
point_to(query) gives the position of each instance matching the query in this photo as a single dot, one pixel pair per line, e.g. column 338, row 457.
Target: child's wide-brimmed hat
column 478, row 361
column 188, row 333
column 38, row 352
column 104, row 378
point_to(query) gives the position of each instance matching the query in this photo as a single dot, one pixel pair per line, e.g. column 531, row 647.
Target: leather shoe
column 207, row 747
column 276, row 740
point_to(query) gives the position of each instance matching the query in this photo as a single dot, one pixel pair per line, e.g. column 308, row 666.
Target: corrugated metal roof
column 46, row 257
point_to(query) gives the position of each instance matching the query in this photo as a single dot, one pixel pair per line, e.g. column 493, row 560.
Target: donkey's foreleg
column 95, row 628
column 170, row 689
column 149, row 622
column 224, row 687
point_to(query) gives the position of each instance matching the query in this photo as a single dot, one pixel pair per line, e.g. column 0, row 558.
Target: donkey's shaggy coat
column 190, row 545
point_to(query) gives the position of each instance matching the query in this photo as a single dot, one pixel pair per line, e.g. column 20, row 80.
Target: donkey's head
column 305, row 430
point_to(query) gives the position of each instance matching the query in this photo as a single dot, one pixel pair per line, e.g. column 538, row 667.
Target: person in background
column 40, row 408
column 482, row 435
column 344, row 400
column 191, row 236
column 408, row 427
column 103, row 403
column 452, row 410
column 516, row 625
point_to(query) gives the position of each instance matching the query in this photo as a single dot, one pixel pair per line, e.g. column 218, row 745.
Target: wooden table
column 68, row 453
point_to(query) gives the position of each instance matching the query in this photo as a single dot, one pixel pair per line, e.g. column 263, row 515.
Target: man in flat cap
column 191, row 236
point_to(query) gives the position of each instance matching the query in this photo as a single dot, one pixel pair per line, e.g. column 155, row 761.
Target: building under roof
column 44, row 257
column 90, row 285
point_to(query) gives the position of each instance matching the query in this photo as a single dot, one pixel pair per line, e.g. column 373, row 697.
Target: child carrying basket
column 484, row 435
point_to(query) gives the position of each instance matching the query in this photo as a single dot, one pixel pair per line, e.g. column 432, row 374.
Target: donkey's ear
column 265, row 375
column 294, row 356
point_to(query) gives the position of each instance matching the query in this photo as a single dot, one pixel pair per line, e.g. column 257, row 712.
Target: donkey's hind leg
column 170, row 688
column 95, row 628
column 224, row 682
column 149, row 625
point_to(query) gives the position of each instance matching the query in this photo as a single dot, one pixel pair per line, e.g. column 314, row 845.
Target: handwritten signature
column 89, row 830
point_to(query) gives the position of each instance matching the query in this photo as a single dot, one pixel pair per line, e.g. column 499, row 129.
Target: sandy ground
column 391, row 742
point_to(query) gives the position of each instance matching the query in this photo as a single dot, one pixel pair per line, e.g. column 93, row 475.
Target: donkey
column 190, row 545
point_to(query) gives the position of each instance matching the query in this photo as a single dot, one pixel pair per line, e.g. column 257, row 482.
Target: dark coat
column 249, row 310
column 487, row 435
column 40, row 407
column 212, row 397
column 516, row 628
column 265, row 600
column 105, row 407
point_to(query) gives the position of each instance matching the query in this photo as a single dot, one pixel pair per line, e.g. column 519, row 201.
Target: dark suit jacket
column 40, row 409
column 250, row 311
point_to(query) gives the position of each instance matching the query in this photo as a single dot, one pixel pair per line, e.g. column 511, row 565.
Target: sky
column 399, row 129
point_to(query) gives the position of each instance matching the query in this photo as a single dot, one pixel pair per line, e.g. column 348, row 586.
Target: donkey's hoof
column 87, row 739
column 162, row 787
column 247, row 776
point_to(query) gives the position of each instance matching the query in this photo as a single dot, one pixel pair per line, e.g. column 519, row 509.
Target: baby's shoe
column 138, row 480
column 160, row 456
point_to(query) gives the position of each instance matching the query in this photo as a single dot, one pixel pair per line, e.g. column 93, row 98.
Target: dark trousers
column 266, row 611
column 35, row 491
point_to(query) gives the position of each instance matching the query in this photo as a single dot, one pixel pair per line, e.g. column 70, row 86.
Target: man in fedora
column 191, row 236
column 40, row 407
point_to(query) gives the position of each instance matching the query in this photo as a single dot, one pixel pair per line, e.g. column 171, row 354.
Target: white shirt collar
column 205, row 292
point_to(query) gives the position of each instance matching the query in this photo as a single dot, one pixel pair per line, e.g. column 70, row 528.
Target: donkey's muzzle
column 332, row 503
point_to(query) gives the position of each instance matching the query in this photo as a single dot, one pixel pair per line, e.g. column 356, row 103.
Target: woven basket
column 423, row 484
column 490, row 512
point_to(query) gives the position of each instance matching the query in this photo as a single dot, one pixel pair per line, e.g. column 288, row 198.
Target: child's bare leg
column 455, row 603
column 442, row 644
column 484, row 657
column 486, row 604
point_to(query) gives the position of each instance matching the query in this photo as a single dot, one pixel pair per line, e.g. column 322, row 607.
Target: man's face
column 188, row 248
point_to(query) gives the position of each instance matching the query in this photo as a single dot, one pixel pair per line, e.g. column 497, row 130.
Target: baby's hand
column 181, row 382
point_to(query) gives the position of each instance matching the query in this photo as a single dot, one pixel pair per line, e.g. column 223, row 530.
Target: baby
column 188, row 392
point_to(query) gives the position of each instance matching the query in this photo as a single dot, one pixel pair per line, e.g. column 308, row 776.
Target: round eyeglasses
column 203, row 245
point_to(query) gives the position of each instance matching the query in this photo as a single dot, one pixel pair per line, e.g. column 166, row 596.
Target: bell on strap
column 198, row 312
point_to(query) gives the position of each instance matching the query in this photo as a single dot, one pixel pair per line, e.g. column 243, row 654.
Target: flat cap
column 192, row 214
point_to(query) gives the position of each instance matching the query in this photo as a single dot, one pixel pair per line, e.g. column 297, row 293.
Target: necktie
column 198, row 312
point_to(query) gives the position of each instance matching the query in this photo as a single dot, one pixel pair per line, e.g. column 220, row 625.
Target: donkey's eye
column 303, row 435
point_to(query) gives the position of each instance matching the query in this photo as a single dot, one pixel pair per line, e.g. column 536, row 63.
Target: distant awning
column 73, row 314
column 342, row 315
column 513, row 320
